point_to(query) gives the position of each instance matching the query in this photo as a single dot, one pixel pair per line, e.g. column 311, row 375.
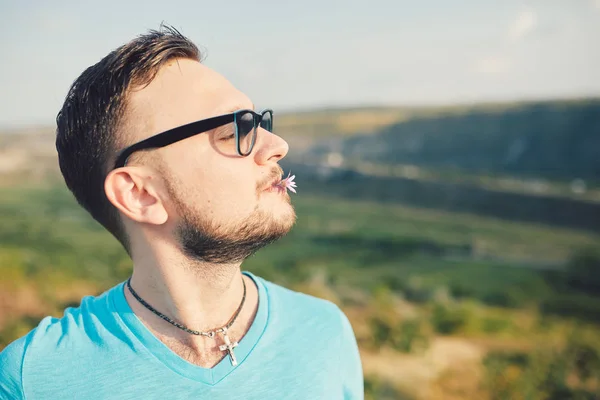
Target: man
column 171, row 159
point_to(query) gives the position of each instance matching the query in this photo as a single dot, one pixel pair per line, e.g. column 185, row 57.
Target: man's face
column 220, row 202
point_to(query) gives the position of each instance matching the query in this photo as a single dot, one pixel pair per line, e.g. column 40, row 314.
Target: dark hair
column 92, row 118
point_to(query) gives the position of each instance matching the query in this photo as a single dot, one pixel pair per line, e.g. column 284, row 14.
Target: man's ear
column 135, row 194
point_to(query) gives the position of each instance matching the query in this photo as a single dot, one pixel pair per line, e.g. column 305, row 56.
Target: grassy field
column 427, row 291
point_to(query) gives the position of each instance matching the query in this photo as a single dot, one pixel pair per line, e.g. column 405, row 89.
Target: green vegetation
column 567, row 371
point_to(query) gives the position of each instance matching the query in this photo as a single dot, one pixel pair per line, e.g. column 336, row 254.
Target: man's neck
column 202, row 297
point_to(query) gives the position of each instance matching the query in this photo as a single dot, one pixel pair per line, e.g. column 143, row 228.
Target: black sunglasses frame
column 195, row 128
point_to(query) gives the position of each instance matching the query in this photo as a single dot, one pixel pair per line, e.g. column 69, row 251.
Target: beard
column 204, row 241
column 224, row 243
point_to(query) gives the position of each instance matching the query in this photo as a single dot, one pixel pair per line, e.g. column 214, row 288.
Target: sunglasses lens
column 267, row 121
column 245, row 131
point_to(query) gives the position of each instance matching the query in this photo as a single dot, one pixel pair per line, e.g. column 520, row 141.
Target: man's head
column 197, row 192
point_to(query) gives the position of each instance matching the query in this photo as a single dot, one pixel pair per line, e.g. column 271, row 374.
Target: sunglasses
column 246, row 123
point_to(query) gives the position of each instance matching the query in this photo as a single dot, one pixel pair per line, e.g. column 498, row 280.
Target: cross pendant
column 228, row 346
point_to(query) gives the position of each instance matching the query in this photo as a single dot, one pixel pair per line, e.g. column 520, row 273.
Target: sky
column 316, row 53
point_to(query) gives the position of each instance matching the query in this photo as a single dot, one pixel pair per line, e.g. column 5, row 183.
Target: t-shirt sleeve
column 11, row 367
column 350, row 363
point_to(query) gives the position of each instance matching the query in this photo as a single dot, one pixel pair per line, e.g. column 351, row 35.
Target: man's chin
column 283, row 217
column 241, row 241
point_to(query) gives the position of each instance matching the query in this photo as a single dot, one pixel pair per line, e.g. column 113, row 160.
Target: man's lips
column 281, row 185
column 272, row 184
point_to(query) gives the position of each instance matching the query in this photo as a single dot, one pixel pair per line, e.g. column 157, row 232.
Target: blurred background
column 447, row 156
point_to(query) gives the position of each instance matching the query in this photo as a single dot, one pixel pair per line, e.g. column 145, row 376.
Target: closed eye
column 225, row 132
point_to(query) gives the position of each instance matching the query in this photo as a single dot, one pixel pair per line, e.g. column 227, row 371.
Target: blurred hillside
column 549, row 148
column 27, row 155
column 536, row 162
column 554, row 140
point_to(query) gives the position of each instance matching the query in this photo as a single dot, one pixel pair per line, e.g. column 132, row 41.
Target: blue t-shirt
column 298, row 347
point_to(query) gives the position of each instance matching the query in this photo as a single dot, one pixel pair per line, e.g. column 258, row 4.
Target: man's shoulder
column 76, row 322
column 11, row 366
column 54, row 338
column 295, row 305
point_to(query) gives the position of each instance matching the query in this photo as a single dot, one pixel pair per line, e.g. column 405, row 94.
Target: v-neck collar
column 164, row 354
